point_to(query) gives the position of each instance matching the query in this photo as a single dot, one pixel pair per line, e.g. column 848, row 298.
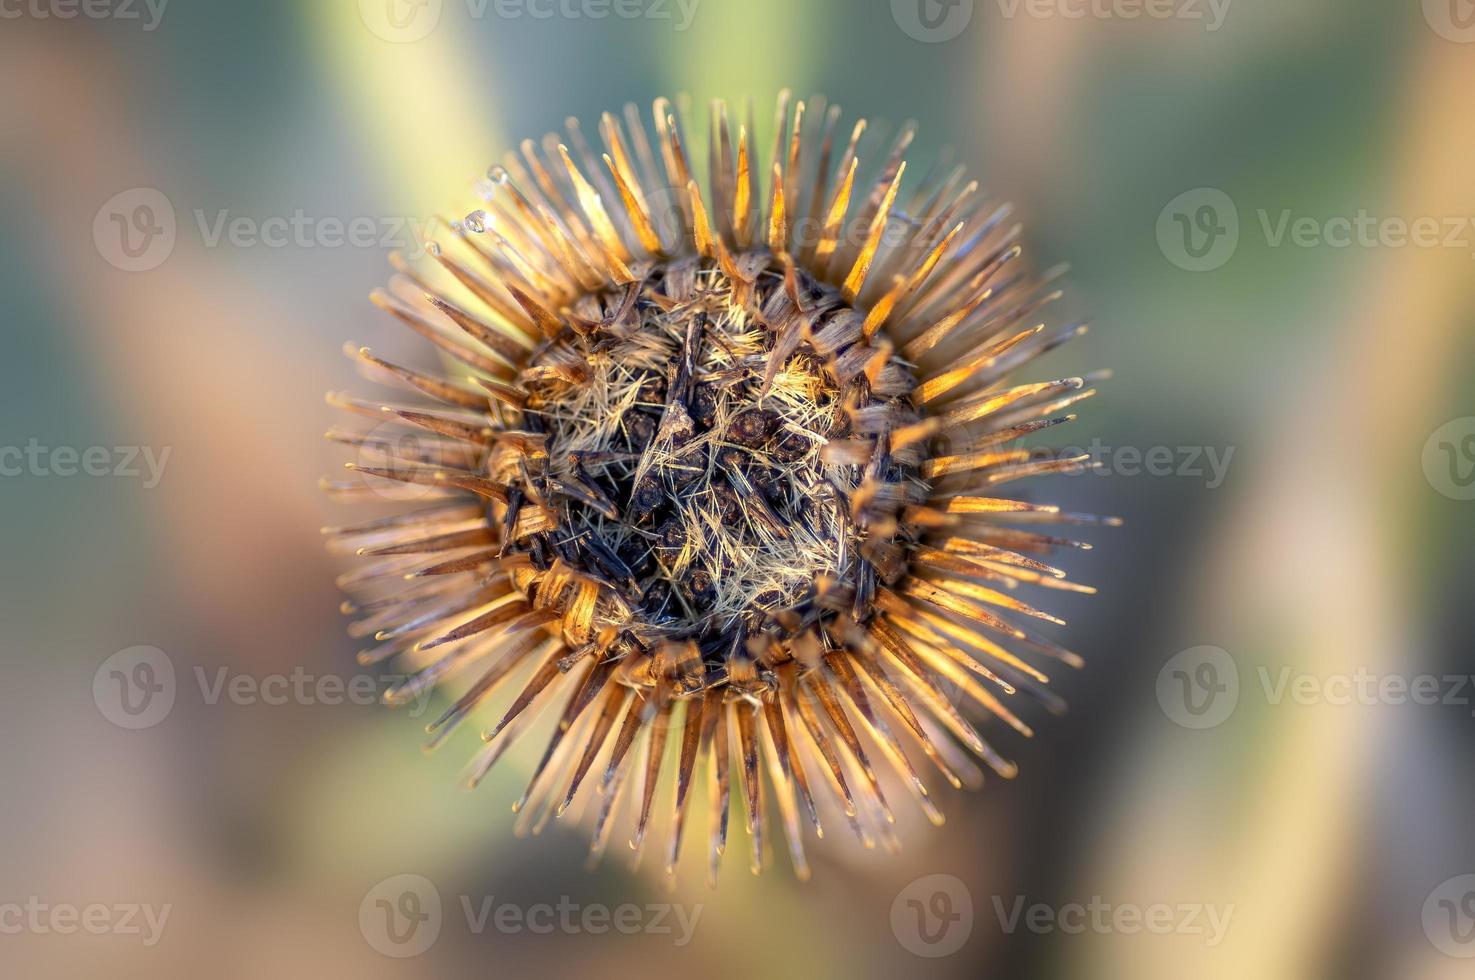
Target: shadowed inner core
column 688, row 470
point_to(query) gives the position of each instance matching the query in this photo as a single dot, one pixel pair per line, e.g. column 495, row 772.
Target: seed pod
column 790, row 447
column 704, row 405
column 645, row 498
column 672, row 536
column 641, row 429
column 735, row 473
column 700, row 587
column 751, row 428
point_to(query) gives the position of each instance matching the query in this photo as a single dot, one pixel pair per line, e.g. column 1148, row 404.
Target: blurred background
column 1244, row 190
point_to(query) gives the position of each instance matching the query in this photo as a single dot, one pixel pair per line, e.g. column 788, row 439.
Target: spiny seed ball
column 727, row 473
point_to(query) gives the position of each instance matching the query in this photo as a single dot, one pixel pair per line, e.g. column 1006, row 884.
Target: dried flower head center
column 684, row 457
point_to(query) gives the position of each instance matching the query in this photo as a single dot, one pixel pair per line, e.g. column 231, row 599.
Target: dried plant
column 716, row 477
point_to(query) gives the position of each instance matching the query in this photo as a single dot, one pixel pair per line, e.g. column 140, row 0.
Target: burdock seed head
column 720, row 470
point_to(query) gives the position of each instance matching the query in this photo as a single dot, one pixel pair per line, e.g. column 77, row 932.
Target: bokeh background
column 1337, row 543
